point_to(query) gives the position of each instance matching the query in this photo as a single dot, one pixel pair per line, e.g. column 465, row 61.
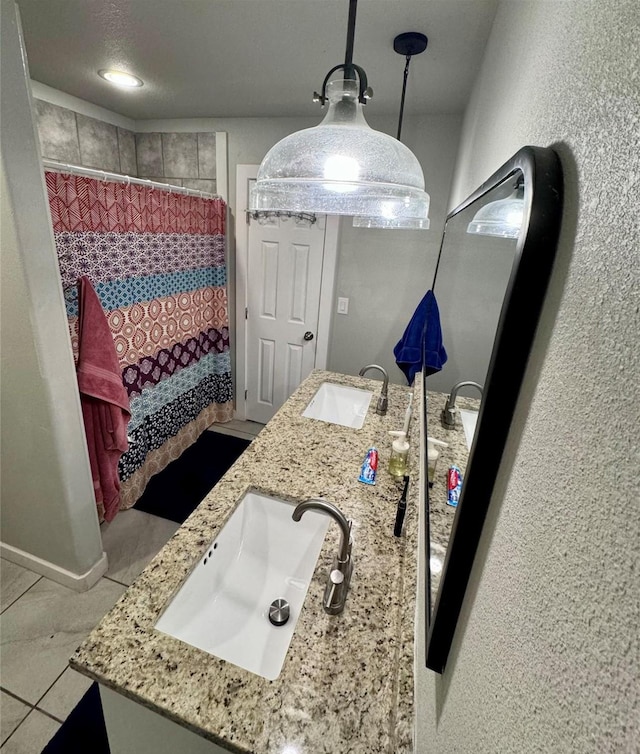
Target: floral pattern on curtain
column 157, row 262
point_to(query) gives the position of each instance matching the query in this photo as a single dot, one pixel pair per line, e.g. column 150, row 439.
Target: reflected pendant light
column 342, row 166
column 502, row 218
column 408, row 44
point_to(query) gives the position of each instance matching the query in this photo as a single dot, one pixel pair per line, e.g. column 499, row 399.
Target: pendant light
column 342, row 166
column 502, row 218
column 408, row 44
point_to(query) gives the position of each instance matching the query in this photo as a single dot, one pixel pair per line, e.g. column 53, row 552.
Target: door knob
column 308, row 335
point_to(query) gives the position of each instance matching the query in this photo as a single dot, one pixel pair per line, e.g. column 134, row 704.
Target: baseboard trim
column 77, row 582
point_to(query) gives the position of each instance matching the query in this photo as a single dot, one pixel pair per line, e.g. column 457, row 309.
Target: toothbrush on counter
column 407, row 416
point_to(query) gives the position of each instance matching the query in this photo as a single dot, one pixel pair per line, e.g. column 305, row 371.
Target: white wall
column 546, row 656
column 48, row 509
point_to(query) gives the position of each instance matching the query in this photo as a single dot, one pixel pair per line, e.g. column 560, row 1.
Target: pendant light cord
column 349, row 73
column 408, row 44
column 404, row 91
column 349, row 67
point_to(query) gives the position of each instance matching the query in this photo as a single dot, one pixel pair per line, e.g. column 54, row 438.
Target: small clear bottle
column 399, row 460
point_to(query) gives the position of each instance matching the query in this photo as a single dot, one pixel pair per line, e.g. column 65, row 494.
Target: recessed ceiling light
column 119, row 78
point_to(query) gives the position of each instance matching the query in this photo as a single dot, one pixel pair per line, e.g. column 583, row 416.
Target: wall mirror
column 496, row 256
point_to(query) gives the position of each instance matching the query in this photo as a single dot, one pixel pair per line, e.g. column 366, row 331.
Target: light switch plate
column 343, row 305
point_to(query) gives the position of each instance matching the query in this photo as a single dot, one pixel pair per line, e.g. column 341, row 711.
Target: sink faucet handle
column 347, row 557
column 336, row 578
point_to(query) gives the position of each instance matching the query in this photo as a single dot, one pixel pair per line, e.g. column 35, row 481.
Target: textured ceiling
column 238, row 58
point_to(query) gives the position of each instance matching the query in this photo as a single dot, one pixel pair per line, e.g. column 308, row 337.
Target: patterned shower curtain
column 157, row 262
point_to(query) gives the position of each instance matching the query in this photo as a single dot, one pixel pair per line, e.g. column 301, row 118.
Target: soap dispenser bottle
column 432, row 457
column 399, row 454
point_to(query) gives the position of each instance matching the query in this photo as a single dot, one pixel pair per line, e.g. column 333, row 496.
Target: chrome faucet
column 381, row 406
column 335, row 593
column 448, row 416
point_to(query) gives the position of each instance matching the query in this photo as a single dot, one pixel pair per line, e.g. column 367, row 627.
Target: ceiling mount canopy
column 342, row 166
column 408, row 44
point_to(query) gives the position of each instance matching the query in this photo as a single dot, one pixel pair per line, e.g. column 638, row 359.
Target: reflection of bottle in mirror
column 432, row 457
column 399, row 454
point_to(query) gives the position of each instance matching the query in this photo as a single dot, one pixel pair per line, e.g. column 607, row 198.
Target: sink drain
column 279, row 612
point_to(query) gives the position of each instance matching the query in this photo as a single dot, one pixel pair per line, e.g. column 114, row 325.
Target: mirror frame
column 534, row 258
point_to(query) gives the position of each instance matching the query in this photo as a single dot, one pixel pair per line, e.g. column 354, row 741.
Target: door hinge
column 246, row 312
column 247, row 216
column 246, row 394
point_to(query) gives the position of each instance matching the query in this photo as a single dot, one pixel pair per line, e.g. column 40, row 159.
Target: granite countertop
column 347, row 680
column 441, row 515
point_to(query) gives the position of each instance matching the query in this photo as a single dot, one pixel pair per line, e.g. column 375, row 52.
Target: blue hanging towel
column 424, row 326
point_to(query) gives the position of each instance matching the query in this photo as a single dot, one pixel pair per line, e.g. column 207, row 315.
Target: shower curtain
column 157, row 262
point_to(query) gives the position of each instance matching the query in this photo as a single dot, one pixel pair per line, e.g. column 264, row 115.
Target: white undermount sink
column 260, row 555
column 469, row 421
column 339, row 404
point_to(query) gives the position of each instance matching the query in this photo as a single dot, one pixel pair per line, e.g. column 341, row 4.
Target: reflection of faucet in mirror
column 335, row 593
column 448, row 416
column 381, row 406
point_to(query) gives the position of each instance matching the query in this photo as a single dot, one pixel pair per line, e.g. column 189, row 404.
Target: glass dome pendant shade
column 342, row 167
column 502, row 218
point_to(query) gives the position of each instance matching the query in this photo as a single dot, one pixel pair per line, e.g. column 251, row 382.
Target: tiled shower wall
column 182, row 159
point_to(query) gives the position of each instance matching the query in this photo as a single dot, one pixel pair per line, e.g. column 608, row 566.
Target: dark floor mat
column 176, row 491
column 83, row 730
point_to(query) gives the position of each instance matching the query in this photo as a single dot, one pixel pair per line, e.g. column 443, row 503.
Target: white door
column 284, row 279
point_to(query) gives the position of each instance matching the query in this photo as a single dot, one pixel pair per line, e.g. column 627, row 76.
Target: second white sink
column 339, row 404
column 260, row 555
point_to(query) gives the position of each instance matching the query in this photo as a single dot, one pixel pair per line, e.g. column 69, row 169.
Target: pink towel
column 105, row 403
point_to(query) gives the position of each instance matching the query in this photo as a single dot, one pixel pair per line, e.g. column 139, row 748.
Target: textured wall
column 546, row 656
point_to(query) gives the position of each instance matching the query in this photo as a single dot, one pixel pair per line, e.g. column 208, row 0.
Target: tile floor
column 42, row 623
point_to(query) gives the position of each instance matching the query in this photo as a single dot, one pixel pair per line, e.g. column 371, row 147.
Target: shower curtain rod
column 105, row 175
